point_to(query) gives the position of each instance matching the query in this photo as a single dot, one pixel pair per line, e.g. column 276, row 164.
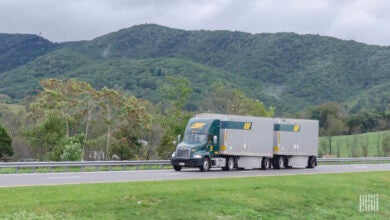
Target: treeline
column 70, row 120
column 336, row 120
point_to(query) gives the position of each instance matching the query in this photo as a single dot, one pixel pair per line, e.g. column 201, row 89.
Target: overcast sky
column 365, row 21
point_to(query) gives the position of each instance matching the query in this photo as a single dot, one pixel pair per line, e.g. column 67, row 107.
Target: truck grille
column 183, row 153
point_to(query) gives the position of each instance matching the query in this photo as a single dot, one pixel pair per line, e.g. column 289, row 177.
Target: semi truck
column 244, row 142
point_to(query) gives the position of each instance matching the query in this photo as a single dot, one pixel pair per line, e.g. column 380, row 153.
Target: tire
column 281, row 162
column 265, row 163
column 278, row 162
column 230, row 163
column 176, row 167
column 286, row 166
column 205, row 165
column 311, row 163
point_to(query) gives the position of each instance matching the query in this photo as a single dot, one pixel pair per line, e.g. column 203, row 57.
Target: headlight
column 173, row 154
column 197, row 156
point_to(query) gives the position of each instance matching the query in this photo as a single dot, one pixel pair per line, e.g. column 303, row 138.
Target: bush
column 72, row 152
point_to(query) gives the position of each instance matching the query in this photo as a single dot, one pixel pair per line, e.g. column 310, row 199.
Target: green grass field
column 352, row 145
column 325, row 196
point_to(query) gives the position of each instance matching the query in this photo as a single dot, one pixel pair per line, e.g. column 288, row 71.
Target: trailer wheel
column 265, row 163
column 281, row 162
column 230, row 163
column 311, row 163
column 176, row 167
column 205, row 165
column 278, row 162
column 286, row 163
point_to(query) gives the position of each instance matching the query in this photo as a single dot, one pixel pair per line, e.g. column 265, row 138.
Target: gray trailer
column 244, row 142
column 295, row 143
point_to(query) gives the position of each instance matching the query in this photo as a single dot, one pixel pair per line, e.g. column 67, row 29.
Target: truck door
column 213, row 145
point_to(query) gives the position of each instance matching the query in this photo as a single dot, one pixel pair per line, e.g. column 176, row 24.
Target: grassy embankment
column 353, row 145
column 325, row 196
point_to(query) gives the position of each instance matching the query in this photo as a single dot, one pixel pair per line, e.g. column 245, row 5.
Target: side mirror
column 178, row 138
column 215, row 139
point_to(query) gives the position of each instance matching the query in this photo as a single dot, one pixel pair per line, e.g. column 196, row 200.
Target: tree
column 110, row 101
column 80, row 109
column 365, row 121
column 46, row 137
column 173, row 116
column 60, row 96
column 72, row 152
column 330, row 120
column 232, row 101
column 134, row 126
column 5, row 143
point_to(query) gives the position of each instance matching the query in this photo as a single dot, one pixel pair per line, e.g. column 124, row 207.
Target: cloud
column 67, row 20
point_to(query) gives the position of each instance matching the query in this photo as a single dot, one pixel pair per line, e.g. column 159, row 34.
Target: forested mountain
column 285, row 70
column 18, row 49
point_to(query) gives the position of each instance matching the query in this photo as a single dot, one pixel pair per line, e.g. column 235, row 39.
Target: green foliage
column 72, row 152
column 71, row 109
column 132, row 130
column 232, row 101
column 365, row 121
column 173, row 116
column 46, row 136
column 19, row 49
column 330, row 118
column 285, row 70
column 5, row 143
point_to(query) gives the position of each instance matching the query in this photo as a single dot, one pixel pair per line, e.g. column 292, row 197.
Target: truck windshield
column 195, row 138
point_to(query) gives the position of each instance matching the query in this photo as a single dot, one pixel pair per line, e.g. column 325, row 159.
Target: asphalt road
column 11, row 180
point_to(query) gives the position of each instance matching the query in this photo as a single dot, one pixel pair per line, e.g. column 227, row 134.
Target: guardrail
column 150, row 163
column 83, row 164
column 353, row 159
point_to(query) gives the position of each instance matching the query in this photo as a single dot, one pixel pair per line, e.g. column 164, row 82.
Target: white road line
column 63, row 177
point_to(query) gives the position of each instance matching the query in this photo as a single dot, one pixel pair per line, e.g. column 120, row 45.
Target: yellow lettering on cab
column 198, row 125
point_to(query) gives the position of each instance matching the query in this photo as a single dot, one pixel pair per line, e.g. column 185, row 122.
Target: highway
column 36, row 179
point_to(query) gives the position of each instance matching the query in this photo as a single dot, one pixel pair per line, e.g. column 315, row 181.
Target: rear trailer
column 244, row 142
column 295, row 143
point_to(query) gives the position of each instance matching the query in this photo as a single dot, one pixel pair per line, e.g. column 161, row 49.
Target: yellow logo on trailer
column 247, row 125
column 296, row 128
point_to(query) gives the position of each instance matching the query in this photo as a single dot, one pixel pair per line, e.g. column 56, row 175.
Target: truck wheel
column 265, row 163
column 281, row 162
column 205, row 165
column 230, row 163
column 176, row 167
column 286, row 163
column 278, row 162
column 311, row 163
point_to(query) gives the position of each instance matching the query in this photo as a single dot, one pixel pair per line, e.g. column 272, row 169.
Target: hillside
column 286, row 70
column 18, row 49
